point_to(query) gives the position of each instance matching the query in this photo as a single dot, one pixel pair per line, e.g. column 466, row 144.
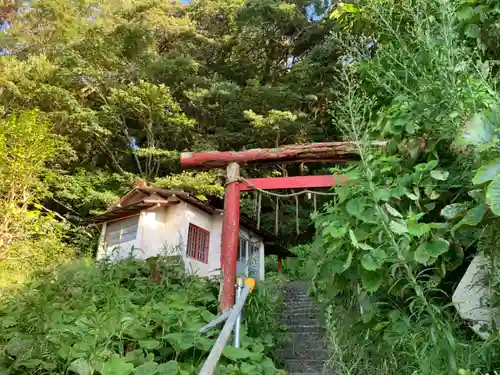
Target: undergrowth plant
column 390, row 247
column 117, row 318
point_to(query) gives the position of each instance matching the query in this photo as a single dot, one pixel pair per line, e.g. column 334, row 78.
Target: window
column 122, row 231
column 242, row 247
column 198, row 241
column 243, row 243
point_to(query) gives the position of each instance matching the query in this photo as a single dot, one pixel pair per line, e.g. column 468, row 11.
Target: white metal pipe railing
column 237, row 327
column 234, row 314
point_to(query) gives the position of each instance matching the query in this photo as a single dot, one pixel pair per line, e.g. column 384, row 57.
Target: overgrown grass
column 368, row 342
column 387, row 253
column 116, row 319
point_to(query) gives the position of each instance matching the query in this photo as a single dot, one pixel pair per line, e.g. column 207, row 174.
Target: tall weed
column 116, row 318
column 392, row 239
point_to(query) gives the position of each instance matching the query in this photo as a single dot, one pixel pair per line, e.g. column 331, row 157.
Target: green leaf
column 235, row 354
column 465, row 13
column 487, row 172
column 427, row 251
column 421, row 254
column 354, row 207
column 371, row 280
column 451, row 211
column 473, row 216
column 150, row 344
column 382, row 194
column 472, row 31
column 169, row 368
column 379, row 255
column 335, row 231
column 424, row 167
column 493, row 195
column 364, row 246
column 148, row 368
column 249, row 369
column 368, row 263
column 437, row 247
column 392, row 211
column 477, row 194
column 207, row 316
column 440, row 175
column 180, row 341
column 477, row 132
column 116, row 365
column 354, row 241
column 80, row 366
column 418, row 229
column 398, row 227
column 347, row 263
column 16, row 347
column 412, row 196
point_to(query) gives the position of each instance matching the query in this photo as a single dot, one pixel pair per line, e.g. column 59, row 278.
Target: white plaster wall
column 164, row 231
column 152, row 237
column 211, row 223
column 101, row 251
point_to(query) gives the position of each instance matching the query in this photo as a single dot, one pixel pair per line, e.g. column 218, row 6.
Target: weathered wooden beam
column 230, row 236
column 296, row 182
column 331, row 152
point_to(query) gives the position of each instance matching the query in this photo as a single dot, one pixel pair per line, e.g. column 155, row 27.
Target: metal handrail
column 232, row 317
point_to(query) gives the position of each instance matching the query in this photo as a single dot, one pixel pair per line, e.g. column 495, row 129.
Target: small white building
column 148, row 222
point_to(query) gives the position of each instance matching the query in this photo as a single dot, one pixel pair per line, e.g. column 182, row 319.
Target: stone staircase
column 306, row 353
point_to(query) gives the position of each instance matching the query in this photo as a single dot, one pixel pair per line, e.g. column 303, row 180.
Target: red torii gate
column 330, row 152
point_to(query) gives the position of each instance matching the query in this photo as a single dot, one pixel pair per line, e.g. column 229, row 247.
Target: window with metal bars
column 197, row 244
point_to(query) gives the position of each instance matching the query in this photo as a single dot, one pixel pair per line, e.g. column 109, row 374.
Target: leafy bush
column 391, row 244
column 113, row 319
column 263, row 310
column 31, row 235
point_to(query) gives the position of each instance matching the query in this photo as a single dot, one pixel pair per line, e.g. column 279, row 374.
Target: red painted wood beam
column 297, row 182
column 332, row 152
column 230, row 236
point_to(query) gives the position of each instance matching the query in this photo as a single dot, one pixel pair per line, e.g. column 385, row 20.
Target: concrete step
column 299, row 328
column 300, row 300
column 291, row 352
column 305, row 365
column 297, row 296
column 308, row 340
column 290, row 306
column 302, row 320
column 301, row 310
column 301, row 314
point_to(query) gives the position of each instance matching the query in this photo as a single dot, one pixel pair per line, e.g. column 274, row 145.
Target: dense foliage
column 113, row 319
column 125, row 86
column 395, row 241
column 98, row 94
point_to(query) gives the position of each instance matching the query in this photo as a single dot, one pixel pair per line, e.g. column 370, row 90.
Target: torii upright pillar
column 332, row 152
column 230, row 235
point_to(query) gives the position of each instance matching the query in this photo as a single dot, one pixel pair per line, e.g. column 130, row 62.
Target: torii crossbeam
column 330, row 152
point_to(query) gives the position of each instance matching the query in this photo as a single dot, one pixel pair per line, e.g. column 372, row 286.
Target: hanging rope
column 296, row 194
column 258, row 203
column 276, row 218
column 259, row 208
column 297, row 222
